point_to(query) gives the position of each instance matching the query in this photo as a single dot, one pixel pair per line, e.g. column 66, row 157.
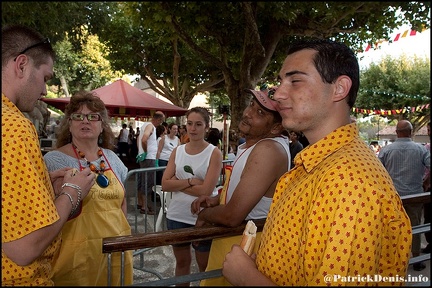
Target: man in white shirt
column 147, row 149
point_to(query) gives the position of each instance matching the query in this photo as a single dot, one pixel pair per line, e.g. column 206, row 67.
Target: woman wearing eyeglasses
column 85, row 140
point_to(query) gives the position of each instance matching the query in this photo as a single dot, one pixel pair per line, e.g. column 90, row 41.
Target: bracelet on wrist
column 79, row 194
column 70, row 197
column 74, row 186
column 190, row 184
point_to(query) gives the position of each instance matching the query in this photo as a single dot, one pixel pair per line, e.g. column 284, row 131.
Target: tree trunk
column 64, row 86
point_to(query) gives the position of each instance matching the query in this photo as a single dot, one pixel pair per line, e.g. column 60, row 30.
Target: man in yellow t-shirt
column 336, row 218
column 31, row 218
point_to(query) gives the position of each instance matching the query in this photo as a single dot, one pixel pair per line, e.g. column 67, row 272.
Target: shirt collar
column 314, row 154
column 7, row 104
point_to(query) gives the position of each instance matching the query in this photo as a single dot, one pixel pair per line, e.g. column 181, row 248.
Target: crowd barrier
column 142, row 242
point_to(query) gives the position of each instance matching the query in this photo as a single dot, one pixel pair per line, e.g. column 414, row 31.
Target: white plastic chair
column 165, row 198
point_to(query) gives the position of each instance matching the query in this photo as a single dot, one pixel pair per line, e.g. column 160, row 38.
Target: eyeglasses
column 90, row 117
column 45, row 41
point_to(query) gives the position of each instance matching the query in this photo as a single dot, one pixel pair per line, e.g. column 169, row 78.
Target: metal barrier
column 143, row 242
column 132, row 193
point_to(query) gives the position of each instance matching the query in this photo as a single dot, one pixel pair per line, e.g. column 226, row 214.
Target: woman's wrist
column 190, row 182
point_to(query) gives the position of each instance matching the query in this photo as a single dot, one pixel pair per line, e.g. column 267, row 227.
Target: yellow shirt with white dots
column 336, row 213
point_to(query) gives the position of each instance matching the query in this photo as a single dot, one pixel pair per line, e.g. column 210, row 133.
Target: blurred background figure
column 295, row 146
column 184, row 137
column 122, row 143
column 168, row 141
column 214, row 137
column 406, row 161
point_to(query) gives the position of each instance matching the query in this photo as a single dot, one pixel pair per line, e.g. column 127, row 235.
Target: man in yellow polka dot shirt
column 32, row 217
column 336, row 218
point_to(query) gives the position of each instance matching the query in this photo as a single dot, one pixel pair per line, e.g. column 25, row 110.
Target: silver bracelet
column 70, row 197
column 76, row 187
column 79, row 190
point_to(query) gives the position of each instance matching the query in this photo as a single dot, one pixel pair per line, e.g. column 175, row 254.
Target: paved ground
column 160, row 259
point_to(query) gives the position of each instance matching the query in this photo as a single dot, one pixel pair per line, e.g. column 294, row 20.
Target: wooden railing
column 156, row 239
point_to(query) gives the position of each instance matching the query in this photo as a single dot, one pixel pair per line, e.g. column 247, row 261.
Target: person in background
column 131, row 141
column 406, row 162
column 161, row 131
column 55, row 129
column 122, row 144
column 184, row 137
column 85, row 141
column 337, row 213
column 214, row 137
column 137, row 133
column 166, row 145
column 35, row 203
column 246, row 196
column 295, row 145
column 193, row 170
column 241, row 140
column 134, row 153
column 231, row 153
column 303, row 140
column 147, row 149
column 427, row 206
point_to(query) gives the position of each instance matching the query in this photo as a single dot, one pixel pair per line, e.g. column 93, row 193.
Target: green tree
column 187, row 44
column 81, row 59
column 54, row 19
column 397, row 84
column 182, row 48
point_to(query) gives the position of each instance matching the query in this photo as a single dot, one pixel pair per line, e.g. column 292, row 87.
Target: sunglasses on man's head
column 45, row 41
column 90, row 117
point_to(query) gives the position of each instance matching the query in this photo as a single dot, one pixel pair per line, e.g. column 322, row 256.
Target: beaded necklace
column 101, row 179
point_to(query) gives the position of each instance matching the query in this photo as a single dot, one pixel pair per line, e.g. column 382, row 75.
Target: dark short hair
column 332, row 60
column 17, row 38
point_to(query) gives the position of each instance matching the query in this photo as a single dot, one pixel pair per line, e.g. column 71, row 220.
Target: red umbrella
column 123, row 100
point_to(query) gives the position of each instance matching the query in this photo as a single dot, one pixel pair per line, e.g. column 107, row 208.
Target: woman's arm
column 160, row 146
column 206, row 187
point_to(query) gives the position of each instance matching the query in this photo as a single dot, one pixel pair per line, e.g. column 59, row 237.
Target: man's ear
column 20, row 63
column 342, row 87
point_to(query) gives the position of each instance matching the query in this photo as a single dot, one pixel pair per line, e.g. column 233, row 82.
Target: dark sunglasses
column 90, row 117
column 45, row 41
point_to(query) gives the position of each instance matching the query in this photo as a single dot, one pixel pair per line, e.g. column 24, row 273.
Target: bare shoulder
column 269, row 147
column 217, row 152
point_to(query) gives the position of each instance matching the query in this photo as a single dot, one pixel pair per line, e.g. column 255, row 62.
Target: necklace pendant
column 102, row 181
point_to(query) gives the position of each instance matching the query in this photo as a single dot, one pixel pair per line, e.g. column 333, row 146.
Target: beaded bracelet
column 79, row 190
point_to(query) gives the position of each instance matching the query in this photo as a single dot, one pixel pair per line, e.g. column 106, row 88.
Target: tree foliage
column 397, row 83
column 82, row 61
column 183, row 43
column 182, row 48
